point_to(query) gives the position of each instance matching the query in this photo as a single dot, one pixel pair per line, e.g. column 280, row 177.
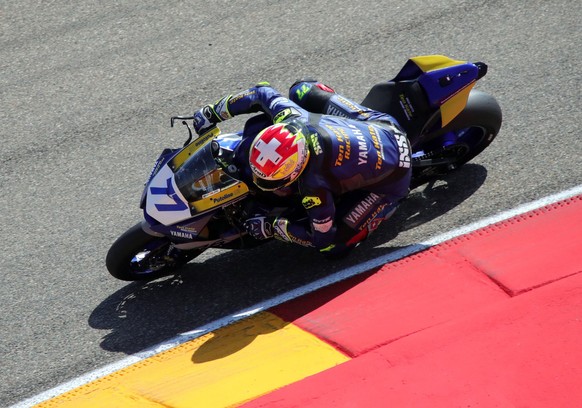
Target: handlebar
column 182, row 118
column 190, row 133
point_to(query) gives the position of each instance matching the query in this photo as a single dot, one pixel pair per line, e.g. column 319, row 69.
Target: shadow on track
column 141, row 315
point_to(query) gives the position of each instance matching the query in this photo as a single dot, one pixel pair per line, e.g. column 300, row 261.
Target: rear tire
column 138, row 256
column 481, row 113
column 472, row 130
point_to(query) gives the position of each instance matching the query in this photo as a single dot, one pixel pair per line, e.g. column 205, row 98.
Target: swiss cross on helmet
column 278, row 155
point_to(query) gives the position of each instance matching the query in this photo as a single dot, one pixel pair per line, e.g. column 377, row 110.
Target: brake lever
column 184, row 119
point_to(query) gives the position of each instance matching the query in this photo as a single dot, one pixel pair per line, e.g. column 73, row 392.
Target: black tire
column 476, row 127
column 155, row 260
column 482, row 112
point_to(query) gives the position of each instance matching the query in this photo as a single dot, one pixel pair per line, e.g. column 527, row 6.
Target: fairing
column 447, row 83
column 190, row 184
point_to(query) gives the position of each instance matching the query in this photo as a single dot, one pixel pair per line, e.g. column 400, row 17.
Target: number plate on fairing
column 191, row 184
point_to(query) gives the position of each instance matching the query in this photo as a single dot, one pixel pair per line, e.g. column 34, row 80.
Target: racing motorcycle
column 193, row 200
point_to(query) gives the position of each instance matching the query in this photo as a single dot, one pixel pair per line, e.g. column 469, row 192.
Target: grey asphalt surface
column 86, row 92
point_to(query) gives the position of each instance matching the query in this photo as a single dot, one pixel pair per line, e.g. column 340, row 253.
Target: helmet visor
column 270, row 185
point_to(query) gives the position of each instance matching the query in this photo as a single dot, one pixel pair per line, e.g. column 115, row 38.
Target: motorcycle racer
column 349, row 165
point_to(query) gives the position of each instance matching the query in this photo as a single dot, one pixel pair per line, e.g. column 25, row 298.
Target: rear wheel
column 136, row 256
column 461, row 140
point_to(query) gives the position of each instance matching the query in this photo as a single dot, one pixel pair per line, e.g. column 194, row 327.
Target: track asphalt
column 492, row 318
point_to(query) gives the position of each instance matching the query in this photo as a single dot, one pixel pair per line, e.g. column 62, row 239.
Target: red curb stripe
column 446, row 327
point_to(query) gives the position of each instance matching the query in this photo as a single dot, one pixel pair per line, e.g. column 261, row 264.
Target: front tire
column 138, row 256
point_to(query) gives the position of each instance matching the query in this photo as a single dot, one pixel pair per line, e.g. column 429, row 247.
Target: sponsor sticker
column 285, row 113
column 315, row 144
column 221, row 108
column 304, row 90
column 362, row 210
column 310, row 202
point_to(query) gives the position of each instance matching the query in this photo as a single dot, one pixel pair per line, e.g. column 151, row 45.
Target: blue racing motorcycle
column 193, row 199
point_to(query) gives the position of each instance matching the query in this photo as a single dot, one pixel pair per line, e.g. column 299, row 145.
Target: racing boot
column 311, row 95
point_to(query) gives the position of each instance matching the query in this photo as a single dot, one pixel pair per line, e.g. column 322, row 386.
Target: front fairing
column 165, row 156
column 190, row 184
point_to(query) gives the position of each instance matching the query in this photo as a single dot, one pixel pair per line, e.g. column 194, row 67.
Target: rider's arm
column 321, row 229
column 260, row 98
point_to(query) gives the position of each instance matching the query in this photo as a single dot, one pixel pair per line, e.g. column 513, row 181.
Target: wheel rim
column 470, row 138
column 151, row 259
column 454, row 147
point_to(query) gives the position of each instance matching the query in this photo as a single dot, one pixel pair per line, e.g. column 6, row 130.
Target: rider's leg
column 358, row 215
column 311, row 95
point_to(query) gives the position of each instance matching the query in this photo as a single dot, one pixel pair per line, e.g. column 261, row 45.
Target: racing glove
column 281, row 232
column 207, row 117
column 259, row 227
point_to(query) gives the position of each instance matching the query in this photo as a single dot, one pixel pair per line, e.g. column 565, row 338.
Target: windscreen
column 200, row 176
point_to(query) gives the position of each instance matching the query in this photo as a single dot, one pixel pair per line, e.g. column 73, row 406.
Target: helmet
column 278, row 155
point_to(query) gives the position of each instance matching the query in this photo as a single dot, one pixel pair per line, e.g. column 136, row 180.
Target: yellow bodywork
column 457, row 102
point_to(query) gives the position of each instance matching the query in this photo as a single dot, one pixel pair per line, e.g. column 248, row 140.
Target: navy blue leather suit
column 355, row 152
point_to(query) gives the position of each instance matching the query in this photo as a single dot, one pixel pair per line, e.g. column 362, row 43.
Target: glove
column 259, row 227
column 207, row 117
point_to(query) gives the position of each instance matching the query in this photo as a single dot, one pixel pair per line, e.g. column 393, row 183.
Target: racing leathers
column 359, row 166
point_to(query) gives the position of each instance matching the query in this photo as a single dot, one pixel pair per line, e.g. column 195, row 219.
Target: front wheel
column 138, row 256
column 461, row 140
